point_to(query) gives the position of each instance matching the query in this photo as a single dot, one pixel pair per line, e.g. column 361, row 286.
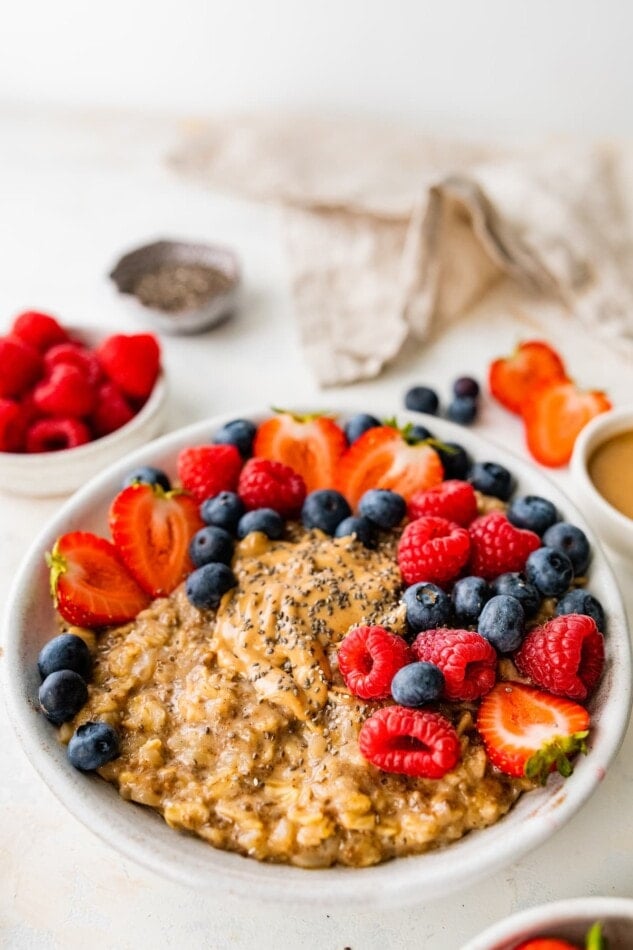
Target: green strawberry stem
column 406, row 430
column 595, row 939
column 557, row 752
column 303, row 417
column 58, row 566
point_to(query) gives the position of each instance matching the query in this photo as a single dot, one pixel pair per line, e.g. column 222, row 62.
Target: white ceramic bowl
column 614, row 528
column 45, row 474
column 567, row 920
column 141, row 834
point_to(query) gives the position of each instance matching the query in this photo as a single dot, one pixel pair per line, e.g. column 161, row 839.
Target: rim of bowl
column 597, row 431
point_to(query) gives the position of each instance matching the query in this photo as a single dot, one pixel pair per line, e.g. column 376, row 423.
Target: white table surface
column 74, row 192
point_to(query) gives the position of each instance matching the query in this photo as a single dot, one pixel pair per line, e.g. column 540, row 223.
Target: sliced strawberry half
column 151, row 530
column 512, row 379
column 554, row 416
column 383, row 458
column 527, row 732
column 312, row 445
column 90, row 584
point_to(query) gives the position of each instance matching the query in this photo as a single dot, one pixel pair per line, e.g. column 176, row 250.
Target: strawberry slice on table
column 90, row 584
column 312, row 445
column 554, row 416
column 384, row 457
column 513, row 378
column 527, row 732
column 151, row 530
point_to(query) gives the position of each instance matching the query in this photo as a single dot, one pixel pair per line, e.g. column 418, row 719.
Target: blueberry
column 579, row 601
column 61, row 695
column 454, row 458
column 419, row 434
column 428, row 606
column 359, row 424
column 490, row 478
column 385, row 508
column 240, row 433
column 417, row 683
column 502, row 623
column 66, row 652
column 466, row 386
column 325, row 509
column 149, row 475
column 363, row 528
column 206, row 585
column 211, row 544
column 571, row 541
column 463, row 410
column 422, row 399
column 517, row 585
column 266, row 520
column 92, row 745
column 533, row 513
column 469, row 595
column 223, row 510
column 550, row 571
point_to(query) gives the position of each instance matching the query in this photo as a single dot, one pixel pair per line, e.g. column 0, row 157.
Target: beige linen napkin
column 391, row 234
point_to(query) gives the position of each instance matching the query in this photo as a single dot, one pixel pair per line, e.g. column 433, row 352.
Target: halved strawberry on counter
column 312, row 445
column 554, row 416
column 513, row 378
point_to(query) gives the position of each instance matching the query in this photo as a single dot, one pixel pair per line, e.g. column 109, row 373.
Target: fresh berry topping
column 498, row 547
column 324, row 509
column 516, row 584
column 206, row 586
column 466, row 386
column 454, row 458
column 55, row 434
column 148, row 474
column 467, row 660
column 419, row 433
column 311, row 445
column 111, row 411
column 362, row 528
column 267, row 484
column 223, row 510
column 417, row 683
column 580, row 601
column 564, row 656
column 211, row 544
column 152, row 530
column 240, row 433
column 490, row 478
column 369, row 658
column 92, row 745
column 65, row 652
column 358, row 424
column 571, row 541
column 532, row 512
column 453, row 499
column 65, row 392
column 385, row 508
column 549, row 943
column 514, row 378
column 427, row 606
column 422, row 399
column 74, row 354
column 502, row 623
column 527, row 732
column 410, row 742
column 553, row 418
column 469, row 595
column 62, row 695
column 206, row 470
column 20, row 367
column 432, row 549
column 550, row 571
column 383, row 458
column 13, row 423
column 462, row 410
column 39, row 330
column 132, row 362
column 266, row 520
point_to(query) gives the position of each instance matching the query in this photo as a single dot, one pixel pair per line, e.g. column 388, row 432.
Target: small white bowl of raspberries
column 72, row 400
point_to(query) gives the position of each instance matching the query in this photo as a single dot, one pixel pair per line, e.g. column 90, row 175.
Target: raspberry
column 39, row 330
column 51, row 435
column 13, row 422
column 498, row 547
column 65, row 392
column 453, row 499
column 466, row 659
column 111, row 410
column 206, row 470
column 74, row 354
column 132, row 362
column 565, row 656
column 432, row 549
column 369, row 658
column 20, row 366
column 267, row 484
column 410, row 741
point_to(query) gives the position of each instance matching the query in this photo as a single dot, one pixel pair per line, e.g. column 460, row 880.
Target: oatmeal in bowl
column 316, row 669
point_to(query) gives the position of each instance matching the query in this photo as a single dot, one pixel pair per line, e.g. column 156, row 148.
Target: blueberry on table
column 469, row 595
column 148, row 475
column 550, row 571
column 466, row 386
column 580, row 601
column 92, row 745
column 266, row 520
column 417, row 683
column 325, row 508
column 385, row 508
column 532, row 513
column 490, row 478
column 571, row 541
column 502, row 623
column 238, row 432
column 206, row 586
column 422, row 399
column 463, row 410
column 516, row 584
column 359, row 424
column 363, row 528
column 211, row 544
column 427, row 606
column 223, row 510
column 61, row 696
column 65, row 652
column 454, row 458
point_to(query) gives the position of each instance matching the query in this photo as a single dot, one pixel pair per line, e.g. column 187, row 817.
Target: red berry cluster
column 57, row 393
